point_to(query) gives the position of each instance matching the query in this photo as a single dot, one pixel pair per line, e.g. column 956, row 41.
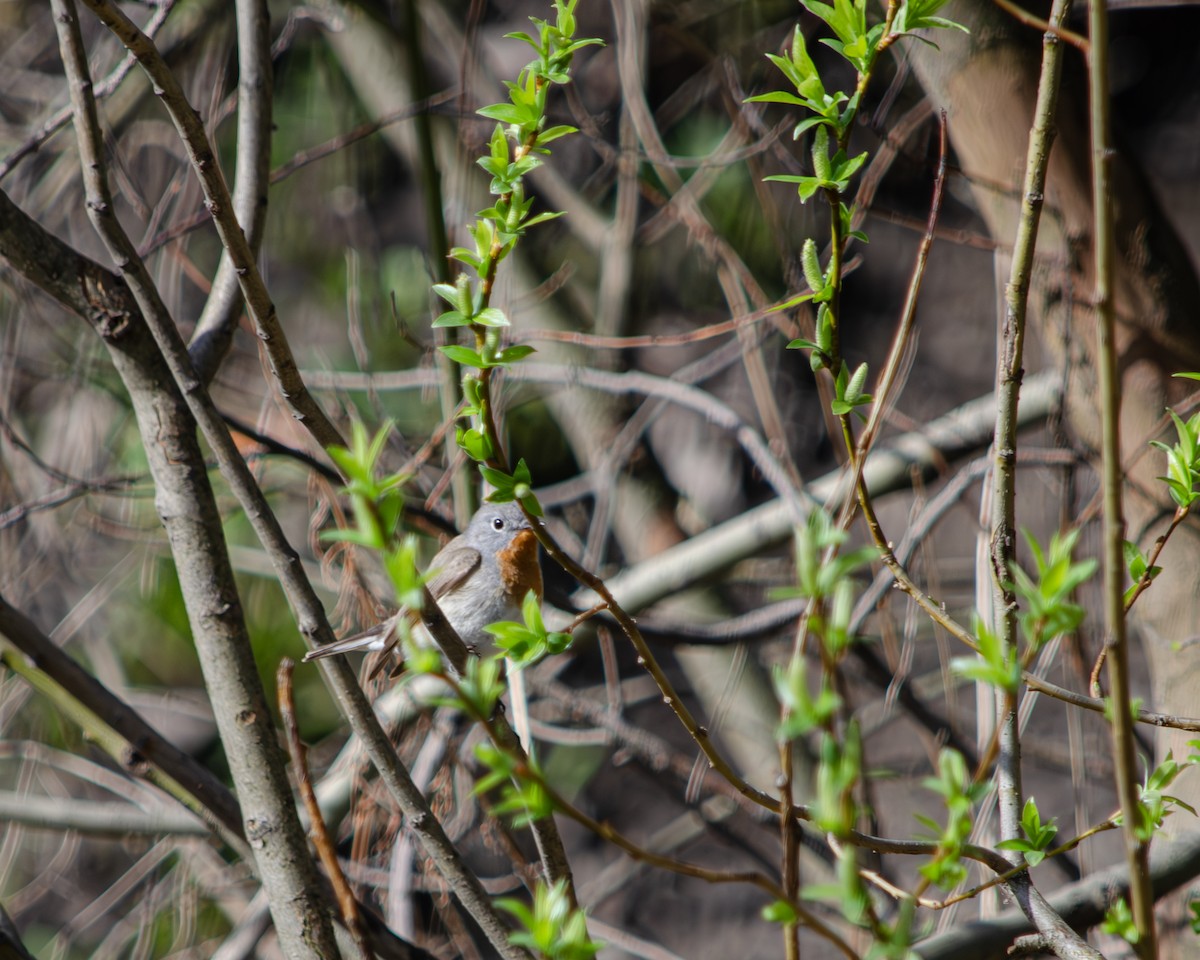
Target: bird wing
column 451, row 567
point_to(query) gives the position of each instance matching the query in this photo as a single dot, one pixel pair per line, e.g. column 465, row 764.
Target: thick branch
column 216, row 194
column 271, row 822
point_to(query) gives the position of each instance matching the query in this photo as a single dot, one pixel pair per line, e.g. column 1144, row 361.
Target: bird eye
column 497, row 523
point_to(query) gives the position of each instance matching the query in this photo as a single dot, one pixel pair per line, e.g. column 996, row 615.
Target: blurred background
column 660, row 240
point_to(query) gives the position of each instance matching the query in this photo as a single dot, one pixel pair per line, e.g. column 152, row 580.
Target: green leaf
column 451, row 318
column 514, row 353
column 464, row 355
column 347, row 535
column 491, row 317
column 448, row 292
column 552, row 928
column 1118, row 920
column 542, row 218
column 502, row 483
column 553, row 133
column 531, row 612
column 847, row 169
column 777, row 96
column 510, row 113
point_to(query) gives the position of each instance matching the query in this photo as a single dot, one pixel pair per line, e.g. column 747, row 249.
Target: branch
column 105, row 301
column 1009, row 374
column 137, row 746
column 961, row 431
column 198, row 545
column 214, row 330
column 95, row 817
column 60, row 117
column 220, row 205
column 1081, row 905
column 1137, row 850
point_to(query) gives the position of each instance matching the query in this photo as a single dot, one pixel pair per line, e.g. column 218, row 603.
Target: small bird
column 480, row 577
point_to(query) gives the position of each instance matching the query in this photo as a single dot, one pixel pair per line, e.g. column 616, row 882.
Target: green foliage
column 400, row 562
column 1138, row 567
column 525, row 644
column 1118, row 920
column 1038, row 835
column 959, row 795
column 1154, row 805
column 848, row 20
column 995, row 664
column 1194, row 918
column 466, row 306
column 839, row 768
column 478, row 692
column 553, row 929
column 920, row 15
column 1183, row 460
column 802, row 712
column 419, row 660
column 780, row 911
column 377, row 501
column 833, row 168
column 822, row 348
column 848, row 390
column 810, row 89
column 830, row 173
column 894, row 942
column 521, row 795
column 816, row 576
column 515, row 149
column 514, row 486
column 378, row 504
column 1047, row 610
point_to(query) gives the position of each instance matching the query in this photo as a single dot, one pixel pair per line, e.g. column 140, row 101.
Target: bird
column 480, row 577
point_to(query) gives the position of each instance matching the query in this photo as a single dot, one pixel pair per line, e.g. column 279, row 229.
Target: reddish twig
column 317, row 830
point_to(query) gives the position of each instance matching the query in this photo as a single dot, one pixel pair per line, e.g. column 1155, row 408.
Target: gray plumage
column 467, row 582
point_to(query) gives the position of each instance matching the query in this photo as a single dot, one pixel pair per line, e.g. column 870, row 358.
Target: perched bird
column 479, row 577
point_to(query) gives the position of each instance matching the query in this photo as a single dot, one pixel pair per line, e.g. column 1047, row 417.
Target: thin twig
column 1009, row 373
column 220, row 206
column 1137, row 851
column 318, row 831
column 307, row 608
column 607, row 832
column 1054, row 29
column 62, row 116
column 221, row 637
column 902, row 336
column 214, row 330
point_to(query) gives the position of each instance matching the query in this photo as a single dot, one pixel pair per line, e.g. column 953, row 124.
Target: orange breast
column 519, row 568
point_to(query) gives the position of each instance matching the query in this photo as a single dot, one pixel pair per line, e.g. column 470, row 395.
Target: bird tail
column 379, row 638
